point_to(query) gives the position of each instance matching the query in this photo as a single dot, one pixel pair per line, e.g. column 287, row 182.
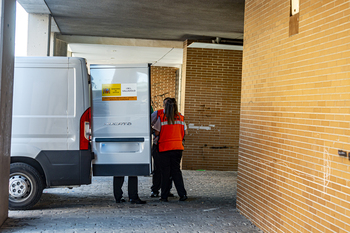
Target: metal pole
column 48, row 36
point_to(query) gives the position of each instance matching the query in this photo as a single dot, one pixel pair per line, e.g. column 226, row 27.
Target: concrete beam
column 38, row 7
column 120, row 41
column 7, row 49
column 35, row 6
column 215, row 46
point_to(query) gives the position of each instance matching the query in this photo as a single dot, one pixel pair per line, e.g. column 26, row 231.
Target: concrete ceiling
column 145, row 19
column 142, row 19
column 150, row 19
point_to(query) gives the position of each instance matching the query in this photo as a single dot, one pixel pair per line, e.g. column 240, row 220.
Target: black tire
column 25, row 186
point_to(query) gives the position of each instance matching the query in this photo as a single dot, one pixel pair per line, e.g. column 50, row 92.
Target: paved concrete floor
column 211, row 207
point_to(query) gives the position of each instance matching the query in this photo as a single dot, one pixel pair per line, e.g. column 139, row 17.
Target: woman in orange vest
column 156, row 174
column 171, row 135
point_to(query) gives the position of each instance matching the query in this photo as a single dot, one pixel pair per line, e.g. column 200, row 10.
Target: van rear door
column 121, row 137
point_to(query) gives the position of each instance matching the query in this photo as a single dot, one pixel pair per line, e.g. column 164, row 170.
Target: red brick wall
column 212, row 107
column 295, row 115
column 163, row 84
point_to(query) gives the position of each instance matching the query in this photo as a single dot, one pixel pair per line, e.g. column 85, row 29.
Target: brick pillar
column 212, row 107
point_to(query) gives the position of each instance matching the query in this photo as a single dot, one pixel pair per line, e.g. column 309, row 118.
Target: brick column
column 212, row 107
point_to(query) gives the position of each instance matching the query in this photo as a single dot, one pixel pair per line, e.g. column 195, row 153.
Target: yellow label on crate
column 111, row 90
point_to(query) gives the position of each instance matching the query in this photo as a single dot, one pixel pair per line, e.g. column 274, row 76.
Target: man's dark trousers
column 132, row 187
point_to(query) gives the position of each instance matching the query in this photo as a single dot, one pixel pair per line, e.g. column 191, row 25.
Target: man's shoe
column 163, row 200
column 171, row 195
column 153, row 194
column 183, row 198
column 120, row 200
column 137, row 201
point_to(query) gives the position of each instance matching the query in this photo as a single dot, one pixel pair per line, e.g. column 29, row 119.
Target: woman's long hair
column 170, row 110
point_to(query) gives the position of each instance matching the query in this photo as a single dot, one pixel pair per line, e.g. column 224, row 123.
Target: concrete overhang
column 145, row 19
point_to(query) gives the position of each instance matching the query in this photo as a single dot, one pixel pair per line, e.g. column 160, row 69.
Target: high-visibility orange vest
column 171, row 135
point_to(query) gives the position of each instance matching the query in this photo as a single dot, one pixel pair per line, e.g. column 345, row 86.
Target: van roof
column 99, row 66
column 49, row 60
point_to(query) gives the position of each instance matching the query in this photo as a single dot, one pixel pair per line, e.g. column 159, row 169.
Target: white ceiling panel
column 112, row 54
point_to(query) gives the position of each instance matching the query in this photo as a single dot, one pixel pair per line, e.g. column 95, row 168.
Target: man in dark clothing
column 132, row 190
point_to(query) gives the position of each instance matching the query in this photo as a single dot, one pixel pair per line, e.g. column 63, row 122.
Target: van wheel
column 25, row 186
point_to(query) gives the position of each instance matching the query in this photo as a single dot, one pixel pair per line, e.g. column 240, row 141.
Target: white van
column 50, row 127
column 51, row 122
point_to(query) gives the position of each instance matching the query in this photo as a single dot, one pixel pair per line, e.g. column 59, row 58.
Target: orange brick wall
column 212, row 104
column 163, row 84
column 295, row 116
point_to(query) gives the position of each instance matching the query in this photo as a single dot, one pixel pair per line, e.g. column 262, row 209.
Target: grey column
column 39, row 35
column 7, row 47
